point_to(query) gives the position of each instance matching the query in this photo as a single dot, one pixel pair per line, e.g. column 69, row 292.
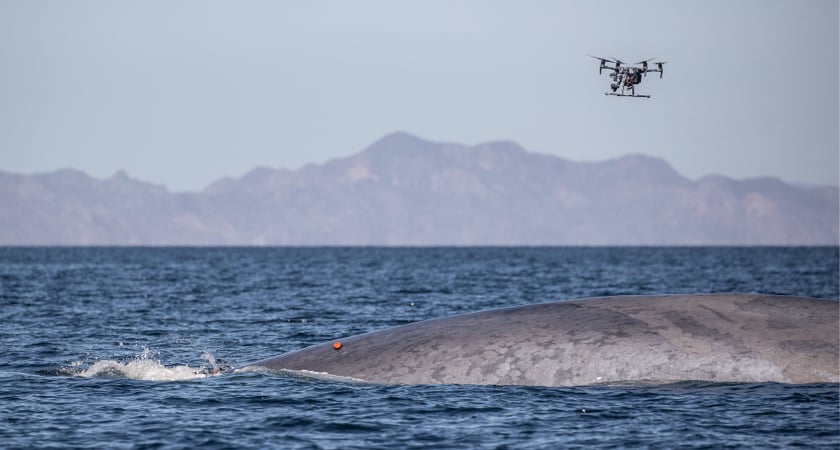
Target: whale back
column 716, row 338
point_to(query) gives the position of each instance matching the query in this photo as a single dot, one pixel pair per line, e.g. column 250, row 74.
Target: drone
column 626, row 77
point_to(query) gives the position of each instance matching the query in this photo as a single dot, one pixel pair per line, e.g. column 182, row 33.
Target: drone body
column 626, row 77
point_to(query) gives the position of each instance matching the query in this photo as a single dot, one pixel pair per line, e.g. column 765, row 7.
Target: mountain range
column 403, row 190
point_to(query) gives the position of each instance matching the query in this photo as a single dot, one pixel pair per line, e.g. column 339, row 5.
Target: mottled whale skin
column 711, row 337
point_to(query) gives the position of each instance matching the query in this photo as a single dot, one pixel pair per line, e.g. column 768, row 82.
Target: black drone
column 627, row 77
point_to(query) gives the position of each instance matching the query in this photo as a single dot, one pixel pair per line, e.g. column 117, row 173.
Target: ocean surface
column 117, row 347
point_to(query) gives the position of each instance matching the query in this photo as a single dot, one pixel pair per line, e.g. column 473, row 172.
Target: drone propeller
column 598, row 57
column 603, row 62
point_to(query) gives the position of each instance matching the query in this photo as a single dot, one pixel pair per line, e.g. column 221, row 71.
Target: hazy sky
column 185, row 92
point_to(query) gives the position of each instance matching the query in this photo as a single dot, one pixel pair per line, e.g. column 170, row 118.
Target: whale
column 717, row 338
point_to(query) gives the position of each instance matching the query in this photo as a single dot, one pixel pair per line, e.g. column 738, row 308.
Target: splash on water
column 144, row 367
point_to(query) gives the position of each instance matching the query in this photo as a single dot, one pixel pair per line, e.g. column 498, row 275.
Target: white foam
column 145, row 367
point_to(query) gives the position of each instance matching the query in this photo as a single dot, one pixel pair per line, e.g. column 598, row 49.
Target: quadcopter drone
column 627, row 77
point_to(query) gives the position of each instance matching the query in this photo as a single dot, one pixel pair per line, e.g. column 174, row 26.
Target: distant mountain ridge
column 403, row 190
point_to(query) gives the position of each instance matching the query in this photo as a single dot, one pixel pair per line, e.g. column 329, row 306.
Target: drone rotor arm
column 659, row 68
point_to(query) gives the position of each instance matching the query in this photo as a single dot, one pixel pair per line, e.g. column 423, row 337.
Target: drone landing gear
column 626, row 95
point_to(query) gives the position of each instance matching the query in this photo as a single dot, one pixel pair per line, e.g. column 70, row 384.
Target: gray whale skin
column 712, row 337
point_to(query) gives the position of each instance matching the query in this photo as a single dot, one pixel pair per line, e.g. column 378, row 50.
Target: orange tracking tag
column 337, row 345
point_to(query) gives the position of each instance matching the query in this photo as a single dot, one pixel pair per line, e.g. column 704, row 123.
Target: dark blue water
column 112, row 347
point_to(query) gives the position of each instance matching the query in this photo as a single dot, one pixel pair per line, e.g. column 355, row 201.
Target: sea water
column 132, row 348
